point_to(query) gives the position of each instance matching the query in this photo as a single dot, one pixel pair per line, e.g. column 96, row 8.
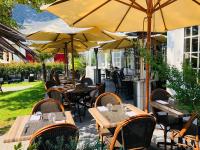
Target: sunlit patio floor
column 87, row 129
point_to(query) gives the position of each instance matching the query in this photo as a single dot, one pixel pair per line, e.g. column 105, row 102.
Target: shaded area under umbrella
column 130, row 15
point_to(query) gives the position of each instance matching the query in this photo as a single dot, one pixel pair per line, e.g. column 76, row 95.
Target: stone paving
column 87, row 130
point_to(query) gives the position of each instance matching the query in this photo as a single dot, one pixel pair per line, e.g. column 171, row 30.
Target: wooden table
column 168, row 109
column 104, row 122
column 15, row 132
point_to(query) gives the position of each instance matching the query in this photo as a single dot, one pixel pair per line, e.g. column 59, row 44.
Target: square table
column 15, row 134
column 105, row 121
column 168, row 109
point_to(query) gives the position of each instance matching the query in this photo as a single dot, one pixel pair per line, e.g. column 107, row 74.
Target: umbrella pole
column 110, row 58
column 72, row 47
column 126, row 53
column 66, row 60
column 149, row 17
column 97, row 65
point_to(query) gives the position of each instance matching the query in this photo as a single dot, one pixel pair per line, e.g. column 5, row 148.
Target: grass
column 19, row 84
column 17, row 103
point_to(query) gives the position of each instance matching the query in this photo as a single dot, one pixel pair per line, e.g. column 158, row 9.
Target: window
column 117, row 59
column 192, row 45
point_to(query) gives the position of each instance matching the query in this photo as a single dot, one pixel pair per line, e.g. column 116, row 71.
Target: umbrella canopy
column 58, row 29
column 119, row 44
column 79, row 46
column 130, row 15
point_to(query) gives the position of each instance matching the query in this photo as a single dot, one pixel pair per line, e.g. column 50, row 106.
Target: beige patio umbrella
column 58, row 30
column 129, row 15
column 64, row 46
column 118, row 44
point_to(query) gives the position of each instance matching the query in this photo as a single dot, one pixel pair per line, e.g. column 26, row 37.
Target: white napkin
column 70, row 90
column 162, row 102
column 102, row 108
column 35, row 117
column 61, row 121
column 130, row 113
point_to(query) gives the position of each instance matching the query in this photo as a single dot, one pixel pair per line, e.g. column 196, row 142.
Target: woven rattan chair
column 48, row 105
column 89, row 101
column 103, row 100
column 56, row 94
column 188, row 132
column 49, row 84
column 87, row 81
column 166, row 121
column 108, row 97
column 134, row 133
column 64, row 136
column 102, row 88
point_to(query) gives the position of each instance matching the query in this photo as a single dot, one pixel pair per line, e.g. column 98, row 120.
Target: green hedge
column 25, row 69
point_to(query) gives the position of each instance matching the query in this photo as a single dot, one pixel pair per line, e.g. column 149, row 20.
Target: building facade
column 184, row 44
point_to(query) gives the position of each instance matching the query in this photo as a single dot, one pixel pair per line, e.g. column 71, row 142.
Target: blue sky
column 25, row 15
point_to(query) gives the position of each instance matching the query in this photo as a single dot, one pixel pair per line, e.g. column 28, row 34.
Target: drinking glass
column 52, row 117
column 123, row 107
column 109, row 106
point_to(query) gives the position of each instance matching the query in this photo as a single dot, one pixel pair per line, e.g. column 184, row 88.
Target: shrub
column 24, row 69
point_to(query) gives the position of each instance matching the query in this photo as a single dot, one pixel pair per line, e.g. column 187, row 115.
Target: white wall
column 175, row 47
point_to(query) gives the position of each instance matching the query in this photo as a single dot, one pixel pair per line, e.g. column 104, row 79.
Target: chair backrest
column 49, row 84
column 116, row 79
column 63, row 136
column 108, row 97
column 56, row 78
column 87, row 80
column 159, row 94
column 135, row 132
column 55, row 94
column 47, row 106
column 107, row 73
column 102, row 88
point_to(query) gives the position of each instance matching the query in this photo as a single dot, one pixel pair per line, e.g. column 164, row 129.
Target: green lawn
column 20, row 84
column 13, row 104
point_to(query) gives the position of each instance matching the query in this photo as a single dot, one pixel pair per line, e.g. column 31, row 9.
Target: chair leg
column 102, row 143
column 165, row 138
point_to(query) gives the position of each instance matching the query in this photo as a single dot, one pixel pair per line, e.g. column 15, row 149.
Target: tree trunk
column 44, row 72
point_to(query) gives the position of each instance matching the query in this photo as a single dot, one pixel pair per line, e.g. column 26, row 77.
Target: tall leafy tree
column 7, row 5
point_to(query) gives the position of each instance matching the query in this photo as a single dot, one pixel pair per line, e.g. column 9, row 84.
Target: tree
column 7, row 5
column 43, row 57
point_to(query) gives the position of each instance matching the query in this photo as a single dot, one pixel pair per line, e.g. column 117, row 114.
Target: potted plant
column 186, row 87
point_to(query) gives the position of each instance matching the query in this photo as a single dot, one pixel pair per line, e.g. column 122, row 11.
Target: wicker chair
column 56, row 94
column 64, row 136
column 89, row 101
column 47, row 106
column 164, row 119
column 134, row 133
column 188, row 132
column 102, row 88
column 103, row 100
column 49, row 84
column 87, row 80
column 108, row 97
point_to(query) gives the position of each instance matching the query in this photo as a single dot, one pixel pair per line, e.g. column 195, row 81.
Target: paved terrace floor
column 87, row 128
